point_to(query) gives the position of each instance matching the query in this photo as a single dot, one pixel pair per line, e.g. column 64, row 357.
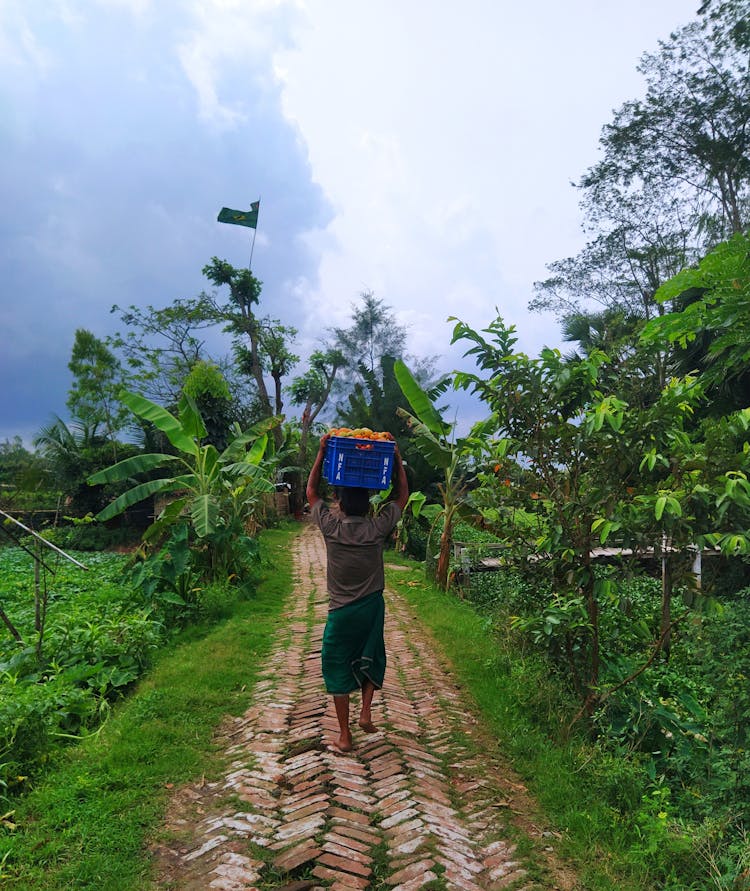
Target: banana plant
column 433, row 437
column 214, row 487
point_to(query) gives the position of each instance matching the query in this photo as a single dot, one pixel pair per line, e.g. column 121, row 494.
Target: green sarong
column 353, row 645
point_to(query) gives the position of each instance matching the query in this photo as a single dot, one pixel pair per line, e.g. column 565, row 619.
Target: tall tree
column 693, row 126
column 264, row 343
column 710, row 323
column 97, row 379
column 674, row 177
column 161, row 346
column 312, row 389
column 643, row 240
column 374, row 333
column 276, row 358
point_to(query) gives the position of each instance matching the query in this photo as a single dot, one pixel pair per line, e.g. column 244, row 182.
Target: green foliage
column 602, row 799
column 432, row 439
column 173, row 578
column 88, row 536
column 97, row 380
column 88, row 822
column 714, row 318
column 161, row 346
column 206, row 378
column 217, row 493
column 590, row 457
column 508, row 590
column 373, row 334
column 70, row 453
column 99, row 638
column 596, row 469
column 207, row 386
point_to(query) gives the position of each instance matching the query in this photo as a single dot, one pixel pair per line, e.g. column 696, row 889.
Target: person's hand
column 324, row 442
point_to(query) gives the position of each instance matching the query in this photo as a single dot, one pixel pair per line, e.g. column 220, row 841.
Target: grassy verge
column 86, row 825
column 575, row 785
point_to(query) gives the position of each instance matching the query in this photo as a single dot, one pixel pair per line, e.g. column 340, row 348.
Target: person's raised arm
column 402, row 485
column 313, row 481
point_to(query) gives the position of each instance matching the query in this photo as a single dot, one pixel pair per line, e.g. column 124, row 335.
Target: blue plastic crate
column 367, row 463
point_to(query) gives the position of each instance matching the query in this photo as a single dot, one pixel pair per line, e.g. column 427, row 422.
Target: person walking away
column 353, row 653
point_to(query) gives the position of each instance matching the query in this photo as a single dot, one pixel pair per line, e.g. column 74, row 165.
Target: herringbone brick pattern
column 410, row 807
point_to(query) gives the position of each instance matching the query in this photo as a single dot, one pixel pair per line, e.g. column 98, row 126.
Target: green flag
column 240, row 217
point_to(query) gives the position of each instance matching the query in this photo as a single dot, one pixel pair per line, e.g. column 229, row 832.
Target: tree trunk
column 256, row 366
column 666, row 605
column 277, row 391
column 11, row 627
column 444, row 555
column 592, row 611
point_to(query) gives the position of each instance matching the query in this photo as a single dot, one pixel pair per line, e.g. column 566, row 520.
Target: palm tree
column 71, row 453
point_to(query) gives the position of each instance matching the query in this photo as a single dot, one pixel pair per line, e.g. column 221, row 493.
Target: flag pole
column 252, row 244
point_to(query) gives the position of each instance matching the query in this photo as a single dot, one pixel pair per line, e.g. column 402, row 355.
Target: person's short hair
column 354, row 501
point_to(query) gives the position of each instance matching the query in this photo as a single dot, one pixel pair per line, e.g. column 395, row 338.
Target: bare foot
column 343, row 743
column 367, row 726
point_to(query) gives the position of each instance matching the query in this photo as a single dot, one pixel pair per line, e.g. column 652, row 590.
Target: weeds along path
column 413, row 806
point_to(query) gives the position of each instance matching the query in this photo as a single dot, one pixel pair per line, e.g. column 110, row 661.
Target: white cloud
column 19, row 46
column 137, row 8
column 226, row 50
column 443, row 138
column 446, row 139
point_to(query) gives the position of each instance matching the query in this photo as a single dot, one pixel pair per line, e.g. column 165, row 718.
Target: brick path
column 409, row 807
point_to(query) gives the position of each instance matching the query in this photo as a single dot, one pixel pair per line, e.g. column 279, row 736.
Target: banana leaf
column 162, row 420
column 167, row 518
column 135, row 495
column 205, row 515
column 420, row 401
column 210, row 462
column 130, row 467
column 242, row 468
column 258, row 450
column 427, row 444
column 236, row 448
column 190, row 418
column 416, row 501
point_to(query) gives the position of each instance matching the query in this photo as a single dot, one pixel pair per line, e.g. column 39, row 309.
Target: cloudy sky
column 420, row 149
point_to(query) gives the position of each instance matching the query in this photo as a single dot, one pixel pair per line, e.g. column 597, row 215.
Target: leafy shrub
column 215, row 600
column 173, row 578
column 416, row 532
column 673, row 745
column 99, row 637
column 32, row 717
column 508, row 589
column 90, row 537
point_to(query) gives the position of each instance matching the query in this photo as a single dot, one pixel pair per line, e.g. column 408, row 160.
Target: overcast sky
column 420, row 149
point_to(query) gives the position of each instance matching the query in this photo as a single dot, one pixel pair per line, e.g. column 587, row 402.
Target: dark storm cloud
column 113, row 174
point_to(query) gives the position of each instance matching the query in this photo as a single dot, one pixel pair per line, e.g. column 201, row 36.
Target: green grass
column 87, row 824
column 525, row 711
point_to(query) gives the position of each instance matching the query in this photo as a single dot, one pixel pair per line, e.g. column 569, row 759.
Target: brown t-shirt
column 354, row 546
